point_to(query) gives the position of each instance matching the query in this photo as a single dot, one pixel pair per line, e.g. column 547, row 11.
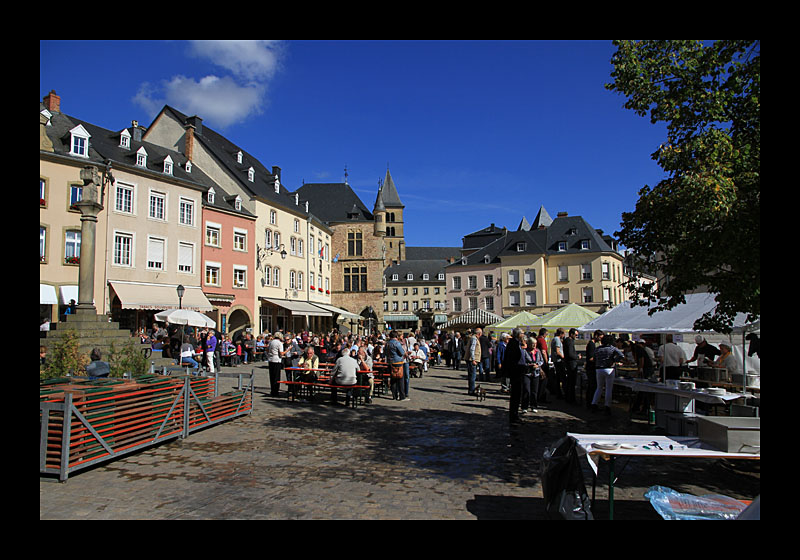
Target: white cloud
column 224, row 100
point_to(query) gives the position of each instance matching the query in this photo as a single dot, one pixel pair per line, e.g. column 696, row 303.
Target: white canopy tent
column 626, row 318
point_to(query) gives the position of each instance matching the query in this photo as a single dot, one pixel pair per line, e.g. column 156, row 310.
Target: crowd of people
column 529, row 368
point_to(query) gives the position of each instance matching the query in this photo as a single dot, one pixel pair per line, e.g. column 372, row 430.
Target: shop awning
column 299, row 307
column 395, row 318
column 69, row 292
column 343, row 313
column 134, row 295
column 47, row 295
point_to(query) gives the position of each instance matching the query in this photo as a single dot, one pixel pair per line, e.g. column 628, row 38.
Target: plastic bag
column 674, row 505
column 562, row 481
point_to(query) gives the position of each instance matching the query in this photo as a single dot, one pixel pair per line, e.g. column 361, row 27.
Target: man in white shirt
column 672, row 358
column 275, row 354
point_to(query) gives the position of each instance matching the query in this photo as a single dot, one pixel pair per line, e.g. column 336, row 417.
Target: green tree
column 700, row 226
column 64, row 357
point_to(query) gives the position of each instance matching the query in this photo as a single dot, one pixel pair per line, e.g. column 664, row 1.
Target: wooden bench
column 357, row 395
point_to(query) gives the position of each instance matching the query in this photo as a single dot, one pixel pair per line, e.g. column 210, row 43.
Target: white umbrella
column 185, row 317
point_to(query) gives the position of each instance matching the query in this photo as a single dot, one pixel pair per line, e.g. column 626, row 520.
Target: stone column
column 90, row 208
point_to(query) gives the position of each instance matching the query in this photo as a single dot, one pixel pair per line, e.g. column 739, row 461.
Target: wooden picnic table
column 322, row 382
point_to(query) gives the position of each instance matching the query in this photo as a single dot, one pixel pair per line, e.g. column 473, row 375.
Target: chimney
column 137, row 131
column 561, row 215
column 197, row 123
column 276, row 171
column 188, row 149
column 52, row 102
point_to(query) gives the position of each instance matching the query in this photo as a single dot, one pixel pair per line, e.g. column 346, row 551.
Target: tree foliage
column 700, row 226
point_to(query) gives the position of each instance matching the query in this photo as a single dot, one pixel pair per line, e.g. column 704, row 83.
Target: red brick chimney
column 52, row 102
column 188, row 149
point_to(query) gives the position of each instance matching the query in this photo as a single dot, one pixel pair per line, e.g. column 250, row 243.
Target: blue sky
column 473, row 132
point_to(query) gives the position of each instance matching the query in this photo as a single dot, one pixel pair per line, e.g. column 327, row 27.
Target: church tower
column 389, row 210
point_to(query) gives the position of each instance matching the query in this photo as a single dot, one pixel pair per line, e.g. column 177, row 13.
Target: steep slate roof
column 225, row 151
column 104, row 145
column 417, row 268
column 573, row 229
column 334, row 202
column 387, row 195
column 482, row 237
column 542, row 219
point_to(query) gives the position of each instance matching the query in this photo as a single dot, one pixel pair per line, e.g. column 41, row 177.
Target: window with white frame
column 276, row 236
column 168, row 165
column 141, row 157
column 563, row 273
column 239, row 276
column 273, row 217
column 75, row 194
column 72, row 244
column 155, row 253
column 586, row 271
column 210, row 195
column 299, row 247
column 186, row 212
column 123, row 198
column 587, row 294
column 79, row 142
column 395, row 306
column 292, row 246
column 472, row 302
column 123, row 249
column 472, row 283
column 125, row 139
column 292, row 278
column 213, row 276
column 297, row 226
column 185, row 257
column 189, row 170
column 513, row 299
column 409, row 276
column 488, row 301
column 585, row 245
column 395, row 276
column 251, row 174
column 237, row 203
column 414, row 305
column 513, row 277
column 488, row 281
column 456, row 282
column 562, row 246
column 606, row 271
column 213, row 234
column 276, row 277
column 426, row 276
column 299, row 280
column 267, row 275
column 530, row 298
column 521, row 247
column 158, row 206
column 563, row 295
column 607, row 295
column 42, row 243
column 239, row 239
column 456, row 304
column 239, row 157
column 440, row 276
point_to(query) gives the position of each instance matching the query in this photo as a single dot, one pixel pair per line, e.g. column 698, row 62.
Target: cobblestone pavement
column 440, row 455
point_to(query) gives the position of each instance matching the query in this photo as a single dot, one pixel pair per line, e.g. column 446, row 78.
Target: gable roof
column 225, row 151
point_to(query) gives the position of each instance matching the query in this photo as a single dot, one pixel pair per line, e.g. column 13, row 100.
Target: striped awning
column 298, row 307
column 479, row 317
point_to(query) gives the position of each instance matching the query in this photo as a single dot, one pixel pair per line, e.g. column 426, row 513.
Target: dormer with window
column 562, row 246
column 210, row 195
column 237, row 203
column 239, row 157
column 426, row 277
column 395, row 276
column 464, row 261
column 125, row 139
column 409, row 276
column 277, row 185
column 141, row 157
column 486, row 259
column 296, row 199
column 585, row 246
column 79, row 142
column 251, row 174
column 521, row 247
column 168, row 165
column 188, row 166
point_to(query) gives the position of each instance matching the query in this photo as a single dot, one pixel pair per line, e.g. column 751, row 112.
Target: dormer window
column 79, row 141
column 426, row 276
column 562, row 246
column 409, row 276
column 585, row 244
column 125, row 139
column 463, row 260
column 394, row 277
column 277, row 185
column 210, row 195
column 251, row 174
column 521, row 247
column 141, row 157
column 306, row 206
column 573, row 231
column 188, row 166
column 168, row 165
column 237, row 203
column 486, row 259
column 239, row 157
column 296, row 199
column 440, row 276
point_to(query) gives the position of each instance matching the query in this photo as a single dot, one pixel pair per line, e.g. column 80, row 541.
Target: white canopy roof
column 625, row 318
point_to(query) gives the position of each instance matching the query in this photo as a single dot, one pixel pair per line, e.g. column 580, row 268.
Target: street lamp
column 181, row 290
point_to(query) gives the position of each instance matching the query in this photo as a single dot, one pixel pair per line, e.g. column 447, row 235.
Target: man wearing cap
column 703, row 351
